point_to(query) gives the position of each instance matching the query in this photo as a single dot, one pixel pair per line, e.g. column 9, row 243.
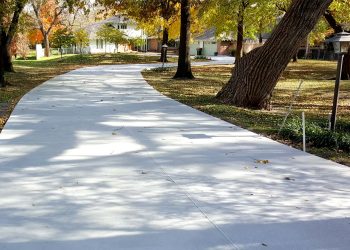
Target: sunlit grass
column 315, row 98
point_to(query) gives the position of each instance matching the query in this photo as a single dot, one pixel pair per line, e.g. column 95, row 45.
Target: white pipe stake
column 304, row 133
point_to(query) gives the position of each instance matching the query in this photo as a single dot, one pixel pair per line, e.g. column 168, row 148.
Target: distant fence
column 318, row 54
column 71, row 50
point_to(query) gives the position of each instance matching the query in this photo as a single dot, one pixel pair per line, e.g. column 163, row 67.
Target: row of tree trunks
column 165, row 41
column 256, row 74
column 184, row 62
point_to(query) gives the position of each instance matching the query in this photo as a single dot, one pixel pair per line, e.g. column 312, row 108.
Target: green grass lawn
column 315, row 100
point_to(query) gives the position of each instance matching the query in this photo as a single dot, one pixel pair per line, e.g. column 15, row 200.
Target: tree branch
column 15, row 19
column 332, row 22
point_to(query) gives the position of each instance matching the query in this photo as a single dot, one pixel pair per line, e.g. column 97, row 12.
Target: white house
column 128, row 26
column 210, row 45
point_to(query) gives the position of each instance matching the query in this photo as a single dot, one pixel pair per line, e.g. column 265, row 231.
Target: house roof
column 208, row 35
column 93, row 28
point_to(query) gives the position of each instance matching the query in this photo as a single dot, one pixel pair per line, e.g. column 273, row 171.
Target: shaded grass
column 315, row 99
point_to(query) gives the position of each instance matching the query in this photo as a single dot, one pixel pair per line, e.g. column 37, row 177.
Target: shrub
column 318, row 135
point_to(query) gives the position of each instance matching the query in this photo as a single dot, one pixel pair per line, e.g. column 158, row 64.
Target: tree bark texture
column 256, row 74
column 2, row 70
column 240, row 36
column 7, row 36
column 184, row 63
column 6, row 58
column 165, row 41
column 46, row 45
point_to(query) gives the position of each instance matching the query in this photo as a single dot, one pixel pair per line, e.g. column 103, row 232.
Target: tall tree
column 147, row 11
column 256, row 75
column 9, row 25
column 240, row 19
column 184, row 62
column 47, row 14
column 81, row 38
column 109, row 33
column 62, row 38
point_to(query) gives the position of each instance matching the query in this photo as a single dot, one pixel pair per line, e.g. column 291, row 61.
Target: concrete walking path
column 96, row 159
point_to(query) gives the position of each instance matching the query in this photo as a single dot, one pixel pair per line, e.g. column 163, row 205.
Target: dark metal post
column 164, row 48
column 336, row 92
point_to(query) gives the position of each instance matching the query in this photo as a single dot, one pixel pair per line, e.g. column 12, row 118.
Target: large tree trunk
column 165, row 40
column 2, row 68
column 240, row 37
column 46, row 44
column 255, row 75
column 2, row 71
column 184, row 64
column 7, row 60
column 8, row 37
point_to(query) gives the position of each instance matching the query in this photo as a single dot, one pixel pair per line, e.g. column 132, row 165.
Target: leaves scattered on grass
column 315, row 99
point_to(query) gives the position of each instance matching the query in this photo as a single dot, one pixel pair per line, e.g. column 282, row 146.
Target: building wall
column 209, row 48
column 225, row 48
column 247, row 47
column 97, row 47
column 153, row 45
column 131, row 31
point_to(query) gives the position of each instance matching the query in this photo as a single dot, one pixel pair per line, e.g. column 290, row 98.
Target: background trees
column 255, row 75
column 81, row 38
column 62, row 38
column 110, row 34
column 47, row 15
column 239, row 19
column 150, row 13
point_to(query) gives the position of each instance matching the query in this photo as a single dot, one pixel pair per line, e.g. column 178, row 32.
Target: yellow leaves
column 264, row 162
column 340, row 10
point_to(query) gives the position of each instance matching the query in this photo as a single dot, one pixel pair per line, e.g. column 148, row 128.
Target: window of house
column 99, row 43
column 122, row 26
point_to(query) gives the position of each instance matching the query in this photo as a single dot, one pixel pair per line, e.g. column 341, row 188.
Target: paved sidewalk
column 96, row 159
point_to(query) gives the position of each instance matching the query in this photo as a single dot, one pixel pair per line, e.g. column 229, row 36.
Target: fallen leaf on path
column 289, row 179
column 262, row 161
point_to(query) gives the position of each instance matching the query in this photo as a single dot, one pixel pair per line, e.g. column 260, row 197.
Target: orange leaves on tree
column 35, row 36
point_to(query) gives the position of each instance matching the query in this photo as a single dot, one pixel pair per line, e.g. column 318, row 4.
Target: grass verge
column 315, row 100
